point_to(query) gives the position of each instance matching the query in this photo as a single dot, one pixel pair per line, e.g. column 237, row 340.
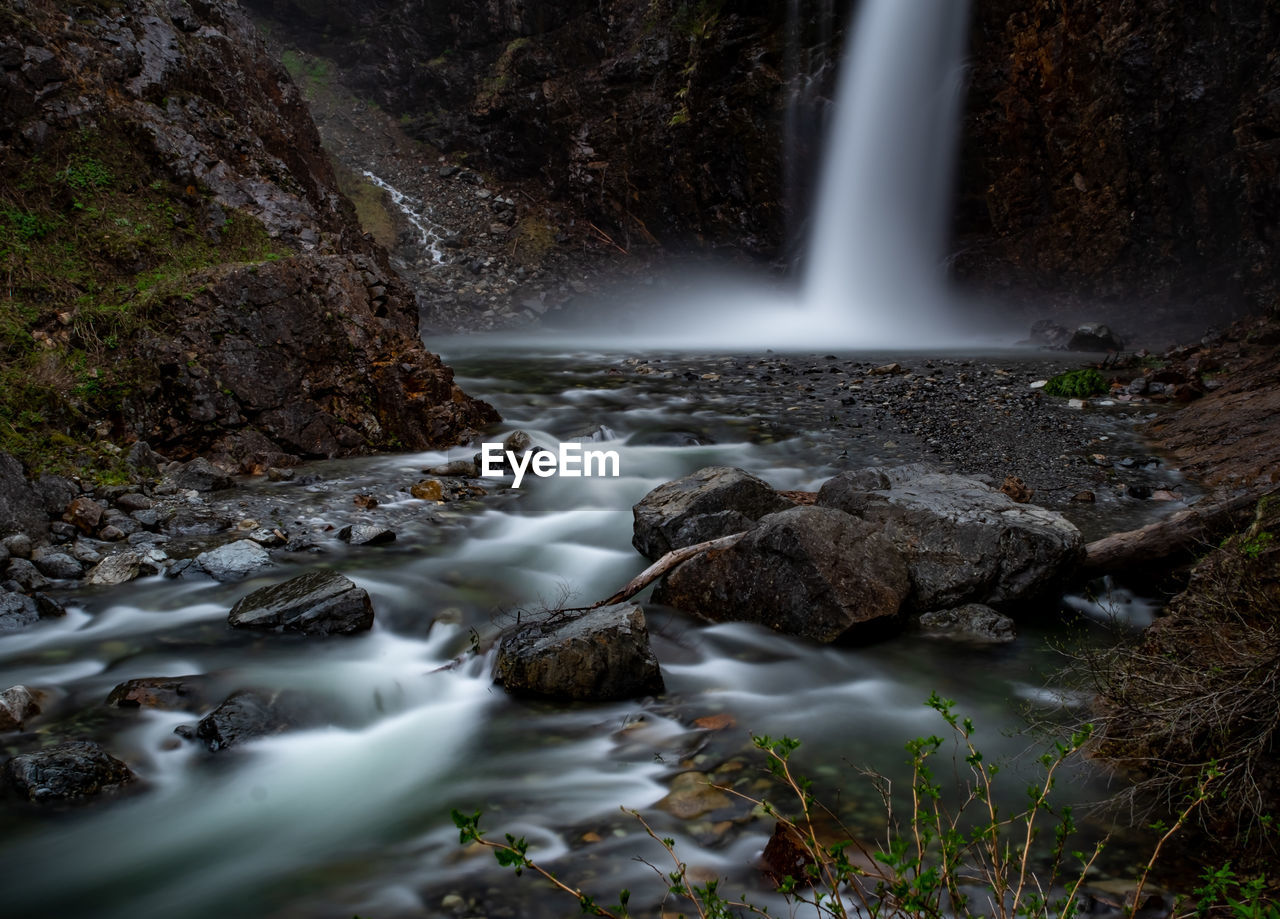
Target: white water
column 430, row 234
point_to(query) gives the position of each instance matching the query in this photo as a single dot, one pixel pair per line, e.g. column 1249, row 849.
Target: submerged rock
column 169, row 693
column 366, row 534
column 77, row 769
column 963, row 540
column 712, row 502
column 813, row 572
column 597, row 656
column 316, row 603
column 233, row 561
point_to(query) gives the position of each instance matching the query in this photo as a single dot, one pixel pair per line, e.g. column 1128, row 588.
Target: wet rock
column 316, row 603
column 963, row 540
column 813, row 572
column 47, row 607
column 134, row 502
column 972, row 622
column 21, row 510
column 56, row 564
column 454, row 468
column 276, row 474
column 712, row 502
column 26, row 575
column 68, row 771
column 233, row 561
column 1094, row 336
column 244, row 716
column 361, row 534
column 17, row 611
column 692, row 796
column 168, row 693
column 428, row 490
column 84, row 513
column 597, row 656
column 200, row 475
column 115, row 569
column 365, row 502
column 17, row 704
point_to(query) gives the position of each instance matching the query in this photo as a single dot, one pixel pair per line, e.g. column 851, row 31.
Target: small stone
column 85, row 513
column 18, row 545
column 177, row 693
column 17, row 612
column 367, row 502
column 454, row 468
column 133, row 502
column 59, row 565
column 233, row 561
column 972, row 621
column 112, row 533
column 27, row 575
column 17, row 704
column 65, row 772
column 1084, row 497
column 692, row 795
column 316, row 603
column 200, row 475
column 428, row 490
column 275, row 474
column 366, row 535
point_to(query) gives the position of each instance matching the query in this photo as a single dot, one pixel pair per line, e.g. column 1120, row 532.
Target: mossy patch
column 373, row 205
column 95, row 247
column 1076, row 384
column 534, row 238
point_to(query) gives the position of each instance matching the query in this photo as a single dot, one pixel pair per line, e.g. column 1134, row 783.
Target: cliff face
column 1124, row 150
column 1118, row 152
column 181, row 266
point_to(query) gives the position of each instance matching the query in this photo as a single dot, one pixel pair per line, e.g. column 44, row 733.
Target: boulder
column 366, row 534
column 18, row 545
column 813, row 572
column 77, row 769
column 597, row 656
column 243, row 716
column 315, row 603
column 54, row 563
column 712, row 502
column 25, row 574
column 963, row 540
column 115, row 569
column 84, row 513
column 971, row 622
column 1094, row 336
column 21, row 510
column 17, row 704
column 234, row 560
column 201, row 475
column 142, row 458
column 169, row 693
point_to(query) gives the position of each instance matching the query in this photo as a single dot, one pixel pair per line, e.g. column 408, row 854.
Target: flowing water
column 353, row 817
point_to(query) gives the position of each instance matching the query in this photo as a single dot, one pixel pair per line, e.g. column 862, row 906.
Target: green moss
column 95, row 247
column 500, row 77
column 1076, row 384
column 534, row 238
column 373, row 209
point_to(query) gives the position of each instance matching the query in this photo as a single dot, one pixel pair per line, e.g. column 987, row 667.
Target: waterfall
column 874, row 273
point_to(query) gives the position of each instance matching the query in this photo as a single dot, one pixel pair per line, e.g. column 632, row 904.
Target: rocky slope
column 1117, row 155
column 181, row 265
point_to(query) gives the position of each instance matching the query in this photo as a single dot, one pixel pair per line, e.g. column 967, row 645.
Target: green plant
column 951, row 855
column 1076, row 384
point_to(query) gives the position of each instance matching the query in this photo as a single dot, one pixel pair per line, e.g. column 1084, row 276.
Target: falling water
column 875, row 255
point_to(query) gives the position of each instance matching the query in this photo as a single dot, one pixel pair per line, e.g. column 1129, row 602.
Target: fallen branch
column 663, row 565
column 1183, row 534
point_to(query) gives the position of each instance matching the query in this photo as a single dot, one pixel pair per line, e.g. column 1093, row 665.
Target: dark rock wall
column 316, row 351
column 1116, row 151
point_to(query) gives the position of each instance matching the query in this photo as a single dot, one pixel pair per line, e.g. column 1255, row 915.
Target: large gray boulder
column 21, row 509
column 67, row 771
column 712, row 502
column 597, row 656
column 964, row 541
column 316, row 603
column 809, row 571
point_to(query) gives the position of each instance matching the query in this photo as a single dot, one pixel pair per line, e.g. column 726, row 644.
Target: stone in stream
column 366, row 534
column 115, row 569
column 712, row 502
column 971, row 622
column 168, row 693
column 315, row 603
column 963, row 540
column 17, row 704
column 234, row 560
column 601, row 655
column 246, row 715
column 813, row 572
column 68, row 771
column 459, row 468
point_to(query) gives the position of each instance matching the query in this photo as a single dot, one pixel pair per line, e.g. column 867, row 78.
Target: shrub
column 1076, row 384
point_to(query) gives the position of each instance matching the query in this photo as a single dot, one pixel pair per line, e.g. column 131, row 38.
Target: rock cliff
column 181, row 266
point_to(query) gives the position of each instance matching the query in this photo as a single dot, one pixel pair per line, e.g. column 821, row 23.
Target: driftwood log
column 665, row 564
column 1183, row 535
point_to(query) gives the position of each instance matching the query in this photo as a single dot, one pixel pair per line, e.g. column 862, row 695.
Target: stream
column 353, row 817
